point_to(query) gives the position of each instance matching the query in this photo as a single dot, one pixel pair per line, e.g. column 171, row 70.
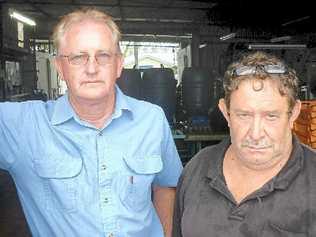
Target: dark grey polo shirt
column 283, row 207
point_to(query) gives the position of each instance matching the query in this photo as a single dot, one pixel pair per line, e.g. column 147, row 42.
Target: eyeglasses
column 251, row 70
column 82, row 59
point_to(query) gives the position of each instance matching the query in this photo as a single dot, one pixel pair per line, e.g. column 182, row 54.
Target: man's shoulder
column 141, row 106
column 22, row 116
column 22, row 107
column 309, row 153
column 201, row 160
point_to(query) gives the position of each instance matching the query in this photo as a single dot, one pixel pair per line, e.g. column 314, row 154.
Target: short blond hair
column 80, row 15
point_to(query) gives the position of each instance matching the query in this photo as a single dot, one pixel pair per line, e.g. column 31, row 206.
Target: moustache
column 261, row 144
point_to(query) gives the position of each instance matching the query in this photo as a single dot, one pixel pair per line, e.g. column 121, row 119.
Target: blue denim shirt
column 76, row 180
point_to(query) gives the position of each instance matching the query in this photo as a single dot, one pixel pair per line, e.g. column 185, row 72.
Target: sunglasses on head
column 251, row 70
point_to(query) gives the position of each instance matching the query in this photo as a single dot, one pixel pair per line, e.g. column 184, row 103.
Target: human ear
column 223, row 108
column 295, row 112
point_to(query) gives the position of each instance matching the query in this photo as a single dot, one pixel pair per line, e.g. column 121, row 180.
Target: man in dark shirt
column 260, row 182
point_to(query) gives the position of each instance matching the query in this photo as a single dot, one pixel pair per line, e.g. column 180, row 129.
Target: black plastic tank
column 159, row 87
column 130, row 83
column 196, row 91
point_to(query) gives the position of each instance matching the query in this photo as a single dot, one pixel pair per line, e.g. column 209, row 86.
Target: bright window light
column 22, row 18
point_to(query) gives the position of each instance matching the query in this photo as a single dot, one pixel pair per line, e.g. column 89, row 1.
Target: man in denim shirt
column 261, row 181
column 94, row 162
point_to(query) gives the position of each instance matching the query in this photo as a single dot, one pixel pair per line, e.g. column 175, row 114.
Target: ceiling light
column 296, row 20
column 22, row 18
column 280, row 39
column 229, row 36
column 277, row 46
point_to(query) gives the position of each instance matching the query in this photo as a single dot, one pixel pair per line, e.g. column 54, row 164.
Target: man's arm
column 178, row 209
column 164, row 202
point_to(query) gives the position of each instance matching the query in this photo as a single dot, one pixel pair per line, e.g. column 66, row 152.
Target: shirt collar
column 215, row 165
column 63, row 110
column 281, row 181
column 292, row 167
column 121, row 104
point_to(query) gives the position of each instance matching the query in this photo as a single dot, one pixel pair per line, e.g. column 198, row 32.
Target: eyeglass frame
column 111, row 55
column 268, row 69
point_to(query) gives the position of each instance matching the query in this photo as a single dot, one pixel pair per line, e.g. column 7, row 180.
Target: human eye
column 243, row 115
column 272, row 116
column 78, row 59
column 103, row 58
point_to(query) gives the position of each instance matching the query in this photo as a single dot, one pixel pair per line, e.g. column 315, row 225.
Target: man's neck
column 242, row 180
column 95, row 112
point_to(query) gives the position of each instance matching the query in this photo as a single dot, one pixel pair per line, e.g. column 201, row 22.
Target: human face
column 92, row 82
column 260, row 124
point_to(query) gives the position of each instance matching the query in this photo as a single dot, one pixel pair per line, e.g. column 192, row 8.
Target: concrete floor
column 12, row 220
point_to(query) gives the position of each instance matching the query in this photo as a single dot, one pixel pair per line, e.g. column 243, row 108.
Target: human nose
column 256, row 130
column 92, row 65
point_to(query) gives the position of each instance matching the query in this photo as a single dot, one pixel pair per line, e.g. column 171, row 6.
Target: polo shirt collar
column 291, row 168
column 63, row 110
column 215, row 164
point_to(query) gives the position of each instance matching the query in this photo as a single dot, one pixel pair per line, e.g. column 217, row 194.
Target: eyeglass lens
column 250, row 70
column 82, row 59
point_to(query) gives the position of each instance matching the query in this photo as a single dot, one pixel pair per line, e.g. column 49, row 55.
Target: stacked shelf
column 305, row 124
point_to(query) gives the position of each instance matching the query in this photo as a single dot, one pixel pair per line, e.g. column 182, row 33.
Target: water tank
column 159, row 87
column 196, row 91
column 130, row 83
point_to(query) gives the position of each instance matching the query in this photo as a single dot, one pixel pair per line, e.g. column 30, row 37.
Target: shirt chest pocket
column 134, row 184
column 59, row 178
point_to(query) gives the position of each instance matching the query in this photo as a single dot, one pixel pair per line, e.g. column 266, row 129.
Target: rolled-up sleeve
column 172, row 166
column 12, row 118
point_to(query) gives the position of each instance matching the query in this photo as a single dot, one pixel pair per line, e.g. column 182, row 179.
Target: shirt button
column 111, row 235
column 106, row 200
column 103, row 167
